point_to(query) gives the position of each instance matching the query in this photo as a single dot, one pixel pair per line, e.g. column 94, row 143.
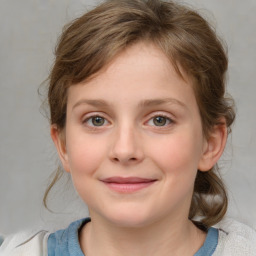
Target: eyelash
column 90, row 119
column 167, row 120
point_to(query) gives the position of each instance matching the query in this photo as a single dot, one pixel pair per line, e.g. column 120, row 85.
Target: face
column 133, row 140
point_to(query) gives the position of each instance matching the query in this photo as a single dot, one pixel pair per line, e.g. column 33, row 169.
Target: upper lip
column 127, row 180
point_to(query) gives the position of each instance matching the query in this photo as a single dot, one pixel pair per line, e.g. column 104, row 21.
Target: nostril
column 132, row 159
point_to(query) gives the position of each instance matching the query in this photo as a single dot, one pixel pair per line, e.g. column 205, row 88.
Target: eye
column 96, row 121
column 159, row 121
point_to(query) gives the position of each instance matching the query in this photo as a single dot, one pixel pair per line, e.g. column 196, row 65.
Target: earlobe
column 214, row 146
column 59, row 142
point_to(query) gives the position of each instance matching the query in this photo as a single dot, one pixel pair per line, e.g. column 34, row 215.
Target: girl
column 139, row 118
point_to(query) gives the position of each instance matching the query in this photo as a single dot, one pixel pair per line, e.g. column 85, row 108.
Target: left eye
column 159, row 121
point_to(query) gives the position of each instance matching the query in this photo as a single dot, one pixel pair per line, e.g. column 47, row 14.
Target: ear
column 213, row 146
column 58, row 138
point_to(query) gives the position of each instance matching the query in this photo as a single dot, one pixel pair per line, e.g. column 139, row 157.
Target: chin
column 130, row 219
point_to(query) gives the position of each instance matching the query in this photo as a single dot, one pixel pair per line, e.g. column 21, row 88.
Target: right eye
column 96, row 121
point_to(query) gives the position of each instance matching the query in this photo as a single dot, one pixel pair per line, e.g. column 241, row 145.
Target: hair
column 92, row 41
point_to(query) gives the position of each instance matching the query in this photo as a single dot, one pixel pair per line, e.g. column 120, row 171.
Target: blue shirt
column 65, row 242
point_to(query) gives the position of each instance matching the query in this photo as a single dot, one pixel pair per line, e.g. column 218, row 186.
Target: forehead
column 141, row 71
column 148, row 55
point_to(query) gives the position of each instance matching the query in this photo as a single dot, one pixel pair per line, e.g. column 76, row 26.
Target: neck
column 160, row 238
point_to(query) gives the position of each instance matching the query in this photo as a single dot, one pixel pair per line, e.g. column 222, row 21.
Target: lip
column 127, row 184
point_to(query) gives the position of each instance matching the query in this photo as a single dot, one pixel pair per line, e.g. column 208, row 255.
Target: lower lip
column 128, row 187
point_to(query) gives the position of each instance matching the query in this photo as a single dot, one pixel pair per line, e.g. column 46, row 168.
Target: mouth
column 128, row 184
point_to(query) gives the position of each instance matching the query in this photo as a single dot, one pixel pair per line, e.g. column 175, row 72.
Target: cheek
column 178, row 154
column 84, row 155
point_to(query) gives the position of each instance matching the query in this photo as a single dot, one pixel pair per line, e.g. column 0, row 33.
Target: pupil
column 98, row 121
column 159, row 121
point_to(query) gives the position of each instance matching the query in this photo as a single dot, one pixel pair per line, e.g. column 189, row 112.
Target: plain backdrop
column 29, row 30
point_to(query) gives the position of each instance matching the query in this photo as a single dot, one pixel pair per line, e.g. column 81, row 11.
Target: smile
column 129, row 184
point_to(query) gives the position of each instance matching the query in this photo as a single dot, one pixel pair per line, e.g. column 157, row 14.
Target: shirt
column 65, row 242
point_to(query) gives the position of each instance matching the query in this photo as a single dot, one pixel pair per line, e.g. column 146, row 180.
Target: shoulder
column 65, row 240
column 235, row 239
column 43, row 243
column 25, row 243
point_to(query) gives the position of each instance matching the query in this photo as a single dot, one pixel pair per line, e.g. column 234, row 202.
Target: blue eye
column 159, row 121
column 96, row 121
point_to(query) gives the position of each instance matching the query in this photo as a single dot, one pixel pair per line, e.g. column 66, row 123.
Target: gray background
column 29, row 30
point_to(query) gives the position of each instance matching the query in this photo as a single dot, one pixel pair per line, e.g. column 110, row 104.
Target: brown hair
column 90, row 42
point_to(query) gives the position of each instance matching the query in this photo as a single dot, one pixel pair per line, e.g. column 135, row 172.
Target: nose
column 127, row 147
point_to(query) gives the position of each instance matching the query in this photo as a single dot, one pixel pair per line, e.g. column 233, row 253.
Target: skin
column 130, row 93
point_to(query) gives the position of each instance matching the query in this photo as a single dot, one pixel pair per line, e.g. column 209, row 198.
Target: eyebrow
column 157, row 102
column 95, row 103
column 143, row 103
